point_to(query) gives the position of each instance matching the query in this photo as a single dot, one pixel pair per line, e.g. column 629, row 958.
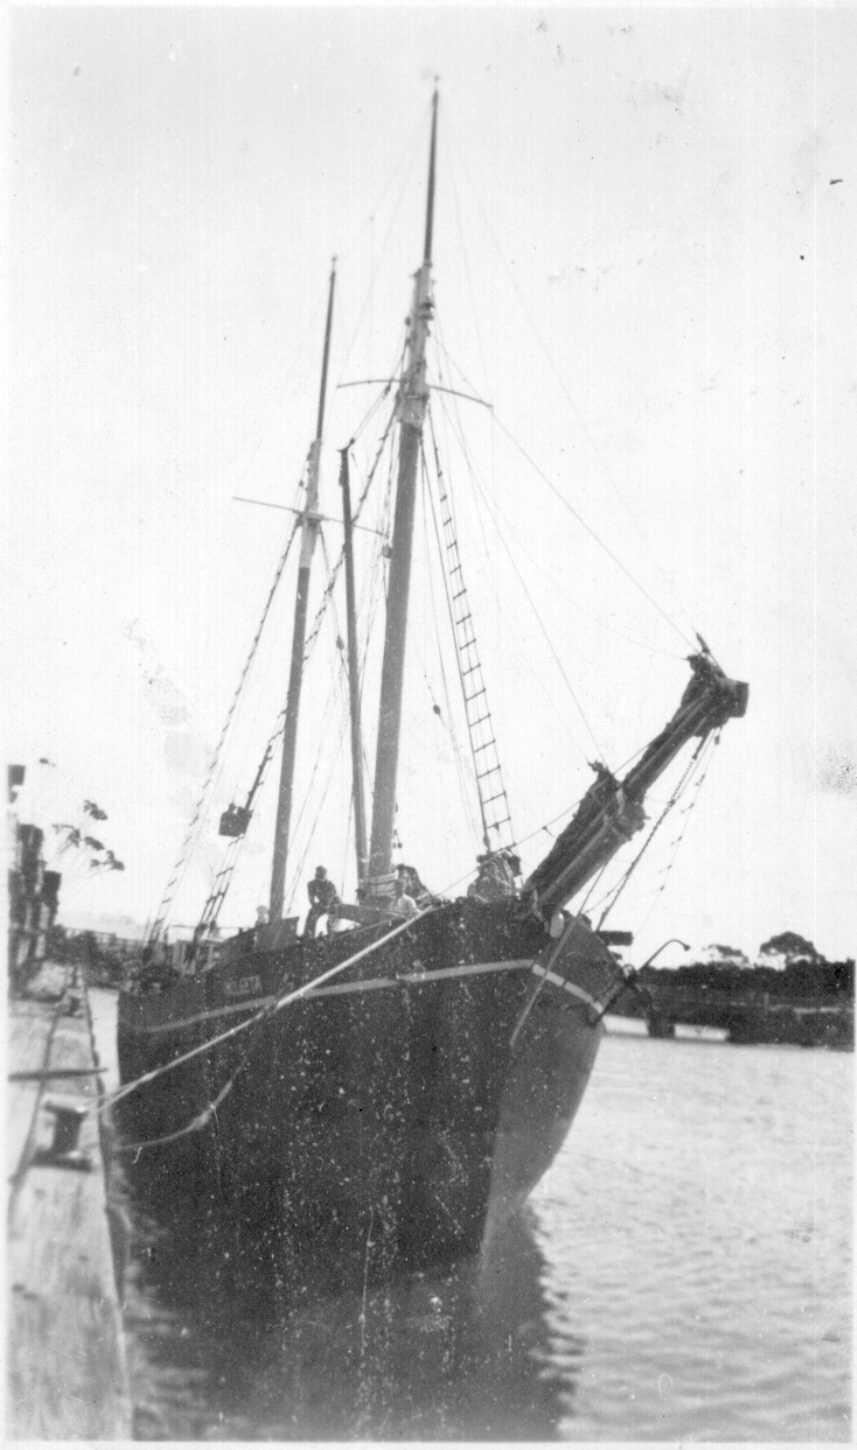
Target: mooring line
column 287, row 999
column 264, row 1013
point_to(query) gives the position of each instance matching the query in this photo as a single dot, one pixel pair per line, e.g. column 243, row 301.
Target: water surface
column 684, row 1273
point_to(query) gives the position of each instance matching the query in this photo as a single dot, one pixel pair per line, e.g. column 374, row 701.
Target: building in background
column 33, row 892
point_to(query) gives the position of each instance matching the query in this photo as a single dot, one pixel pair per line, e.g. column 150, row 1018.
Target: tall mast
column 309, row 534
column 353, row 673
column 412, row 401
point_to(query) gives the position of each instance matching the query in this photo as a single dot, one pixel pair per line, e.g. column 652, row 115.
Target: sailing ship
column 386, row 1096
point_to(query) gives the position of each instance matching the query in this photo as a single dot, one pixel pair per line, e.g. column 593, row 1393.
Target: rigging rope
column 453, row 393
column 279, row 1004
column 597, row 452
column 587, row 527
column 228, row 870
column 224, row 875
column 447, row 721
column 484, row 753
column 338, row 687
column 537, row 616
column 257, row 1019
column 263, row 1015
column 552, row 486
column 198, row 818
column 676, row 844
column 462, row 251
column 320, row 612
column 686, row 777
column 598, row 619
column 404, row 165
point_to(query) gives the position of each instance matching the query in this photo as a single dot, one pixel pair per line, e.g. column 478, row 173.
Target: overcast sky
column 644, row 260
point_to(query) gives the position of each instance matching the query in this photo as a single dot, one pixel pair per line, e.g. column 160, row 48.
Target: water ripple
column 684, row 1275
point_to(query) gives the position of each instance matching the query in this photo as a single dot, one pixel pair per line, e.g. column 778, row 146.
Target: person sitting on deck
column 413, row 885
column 323, row 901
column 403, row 903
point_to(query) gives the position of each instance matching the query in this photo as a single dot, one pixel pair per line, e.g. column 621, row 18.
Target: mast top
column 430, row 195
column 322, row 392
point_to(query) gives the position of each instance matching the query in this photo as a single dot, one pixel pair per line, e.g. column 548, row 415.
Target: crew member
column 403, row 903
column 262, row 919
column 323, row 901
column 414, row 886
column 495, row 878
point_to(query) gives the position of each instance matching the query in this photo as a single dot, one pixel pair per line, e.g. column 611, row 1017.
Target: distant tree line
column 788, row 967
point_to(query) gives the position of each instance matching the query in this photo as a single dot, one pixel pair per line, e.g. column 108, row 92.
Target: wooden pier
column 66, row 1370
column 746, row 1014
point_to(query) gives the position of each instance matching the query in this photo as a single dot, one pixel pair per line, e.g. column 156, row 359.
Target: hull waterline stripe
column 568, row 987
column 254, row 1004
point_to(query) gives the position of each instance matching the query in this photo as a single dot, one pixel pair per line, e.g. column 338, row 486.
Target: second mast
column 309, row 534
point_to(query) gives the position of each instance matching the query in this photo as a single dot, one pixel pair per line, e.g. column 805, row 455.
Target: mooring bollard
column 65, row 1150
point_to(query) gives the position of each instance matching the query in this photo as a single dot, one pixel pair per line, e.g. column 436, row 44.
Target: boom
column 611, row 812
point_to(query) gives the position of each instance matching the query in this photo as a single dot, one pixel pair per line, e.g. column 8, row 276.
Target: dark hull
column 386, row 1122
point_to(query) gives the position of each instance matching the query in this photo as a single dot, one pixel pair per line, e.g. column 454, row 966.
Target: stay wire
column 403, row 165
column 677, row 843
column 596, row 450
column 339, row 686
column 280, row 1003
column 587, row 527
column 537, row 616
column 687, row 775
column 464, row 791
column 577, row 515
column 260, row 1017
column 596, row 619
column 308, row 797
column 320, row 612
column 197, row 818
column 499, row 790
column 463, row 253
column 328, row 592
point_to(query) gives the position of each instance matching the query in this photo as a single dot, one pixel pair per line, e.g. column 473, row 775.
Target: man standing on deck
column 323, row 901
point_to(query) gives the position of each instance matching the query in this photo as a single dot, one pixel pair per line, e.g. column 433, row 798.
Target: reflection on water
column 685, row 1276
column 464, row 1353
column 458, row 1355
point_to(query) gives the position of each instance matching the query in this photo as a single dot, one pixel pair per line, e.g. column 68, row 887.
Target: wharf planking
column 66, row 1371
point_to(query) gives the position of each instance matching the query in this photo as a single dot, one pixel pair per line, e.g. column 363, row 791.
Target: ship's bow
column 554, row 1045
